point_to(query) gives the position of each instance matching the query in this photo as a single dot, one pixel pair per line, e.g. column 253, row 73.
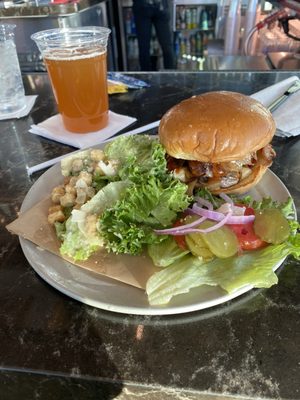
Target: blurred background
column 205, row 34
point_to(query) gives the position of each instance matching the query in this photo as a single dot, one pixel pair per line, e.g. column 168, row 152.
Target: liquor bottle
column 194, row 18
column 210, row 22
column 193, row 44
column 204, row 43
column 128, row 21
column 204, row 19
column 198, row 44
column 178, row 18
column 188, row 18
column 182, row 43
column 182, row 18
column 188, row 45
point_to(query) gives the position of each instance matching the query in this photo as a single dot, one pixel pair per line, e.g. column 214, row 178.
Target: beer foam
column 71, row 55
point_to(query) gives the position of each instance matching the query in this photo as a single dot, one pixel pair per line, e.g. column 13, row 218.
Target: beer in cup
column 76, row 61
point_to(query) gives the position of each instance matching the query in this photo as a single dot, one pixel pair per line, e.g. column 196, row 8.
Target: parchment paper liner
column 33, row 225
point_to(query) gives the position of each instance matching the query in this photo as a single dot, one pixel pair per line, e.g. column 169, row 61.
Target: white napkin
column 52, row 128
column 29, row 102
column 287, row 115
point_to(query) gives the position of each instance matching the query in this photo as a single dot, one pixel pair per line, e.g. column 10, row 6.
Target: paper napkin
column 287, row 115
column 52, row 128
column 29, row 102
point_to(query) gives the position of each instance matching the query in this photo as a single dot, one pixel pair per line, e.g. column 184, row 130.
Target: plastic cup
column 12, row 94
column 76, row 61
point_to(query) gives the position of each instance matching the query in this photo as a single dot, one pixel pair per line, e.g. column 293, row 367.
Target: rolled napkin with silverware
column 283, row 100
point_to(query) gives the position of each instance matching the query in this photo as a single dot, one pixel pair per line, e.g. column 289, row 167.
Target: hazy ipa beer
column 80, row 89
column 77, row 69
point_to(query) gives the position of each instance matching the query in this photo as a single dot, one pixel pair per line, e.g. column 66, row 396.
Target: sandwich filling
column 218, row 175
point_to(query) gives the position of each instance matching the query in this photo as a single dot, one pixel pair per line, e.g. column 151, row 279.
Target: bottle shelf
column 193, row 26
column 187, row 17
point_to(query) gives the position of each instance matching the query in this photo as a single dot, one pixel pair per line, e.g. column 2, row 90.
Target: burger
column 218, row 140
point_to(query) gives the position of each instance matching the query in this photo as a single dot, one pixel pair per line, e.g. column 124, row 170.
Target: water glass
column 12, row 94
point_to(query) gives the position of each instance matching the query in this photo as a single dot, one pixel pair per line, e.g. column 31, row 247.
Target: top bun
column 216, row 127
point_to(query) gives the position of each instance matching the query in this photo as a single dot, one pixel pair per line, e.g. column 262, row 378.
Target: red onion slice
column 204, row 203
column 217, row 216
column 226, row 198
column 212, row 228
column 189, row 229
column 180, row 230
column 207, row 213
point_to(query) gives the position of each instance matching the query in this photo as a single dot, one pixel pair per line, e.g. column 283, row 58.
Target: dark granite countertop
column 54, row 347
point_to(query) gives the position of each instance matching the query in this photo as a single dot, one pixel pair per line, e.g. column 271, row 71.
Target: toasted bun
column 216, row 127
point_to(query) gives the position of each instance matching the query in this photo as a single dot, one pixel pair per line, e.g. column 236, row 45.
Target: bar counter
column 54, row 347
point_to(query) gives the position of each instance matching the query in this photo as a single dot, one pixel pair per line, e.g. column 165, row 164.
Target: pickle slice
column 198, row 247
column 195, row 243
column 222, row 241
column 271, row 226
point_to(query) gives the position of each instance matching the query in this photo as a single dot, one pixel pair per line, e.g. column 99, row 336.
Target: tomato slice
column 180, row 239
column 247, row 238
column 249, row 211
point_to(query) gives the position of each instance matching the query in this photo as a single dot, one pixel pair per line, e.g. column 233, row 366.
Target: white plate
column 108, row 294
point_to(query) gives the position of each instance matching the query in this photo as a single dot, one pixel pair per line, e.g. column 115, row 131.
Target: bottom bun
column 251, row 180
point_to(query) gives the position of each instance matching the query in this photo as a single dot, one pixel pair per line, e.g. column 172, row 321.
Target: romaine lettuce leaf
column 254, row 268
column 106, row 197
column 80, row 242
column 166, row 253
column 81, row 238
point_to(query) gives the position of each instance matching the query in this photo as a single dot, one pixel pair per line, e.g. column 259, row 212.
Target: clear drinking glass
column 76, row 59
column 12, row 94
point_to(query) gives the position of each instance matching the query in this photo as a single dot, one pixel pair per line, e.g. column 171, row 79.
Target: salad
column 124, row 199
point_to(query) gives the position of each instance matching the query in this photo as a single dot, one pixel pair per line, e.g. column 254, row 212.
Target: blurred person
column 148, row 13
